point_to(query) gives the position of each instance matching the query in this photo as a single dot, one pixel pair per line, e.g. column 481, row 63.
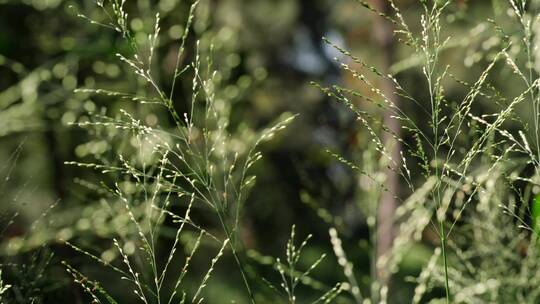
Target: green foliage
column 457, row 143
column 147, row 125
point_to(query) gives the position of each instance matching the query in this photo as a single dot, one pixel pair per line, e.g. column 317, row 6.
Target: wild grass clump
column 26, row 259
column 453, row 155
column 173, row 173
column 196, row 166
column 292, row 276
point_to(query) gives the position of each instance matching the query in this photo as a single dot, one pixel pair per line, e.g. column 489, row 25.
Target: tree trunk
column 384, row 35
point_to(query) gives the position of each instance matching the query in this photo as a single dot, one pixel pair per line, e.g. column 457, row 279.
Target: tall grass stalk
column 439, row 152
column 198, row 161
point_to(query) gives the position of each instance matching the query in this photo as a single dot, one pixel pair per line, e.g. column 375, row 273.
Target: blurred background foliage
column 267, row 53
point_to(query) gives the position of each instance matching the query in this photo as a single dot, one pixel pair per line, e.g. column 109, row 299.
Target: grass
column 172, row 192
column 196, row 161
column 446, row 162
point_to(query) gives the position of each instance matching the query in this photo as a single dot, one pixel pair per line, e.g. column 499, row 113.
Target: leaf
column 535, row 214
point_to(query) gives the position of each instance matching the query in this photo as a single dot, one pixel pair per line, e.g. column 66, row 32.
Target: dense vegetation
column 257, row 151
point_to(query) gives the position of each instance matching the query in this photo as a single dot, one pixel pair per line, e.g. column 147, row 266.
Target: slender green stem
column 445, row 262
column 236, row 258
